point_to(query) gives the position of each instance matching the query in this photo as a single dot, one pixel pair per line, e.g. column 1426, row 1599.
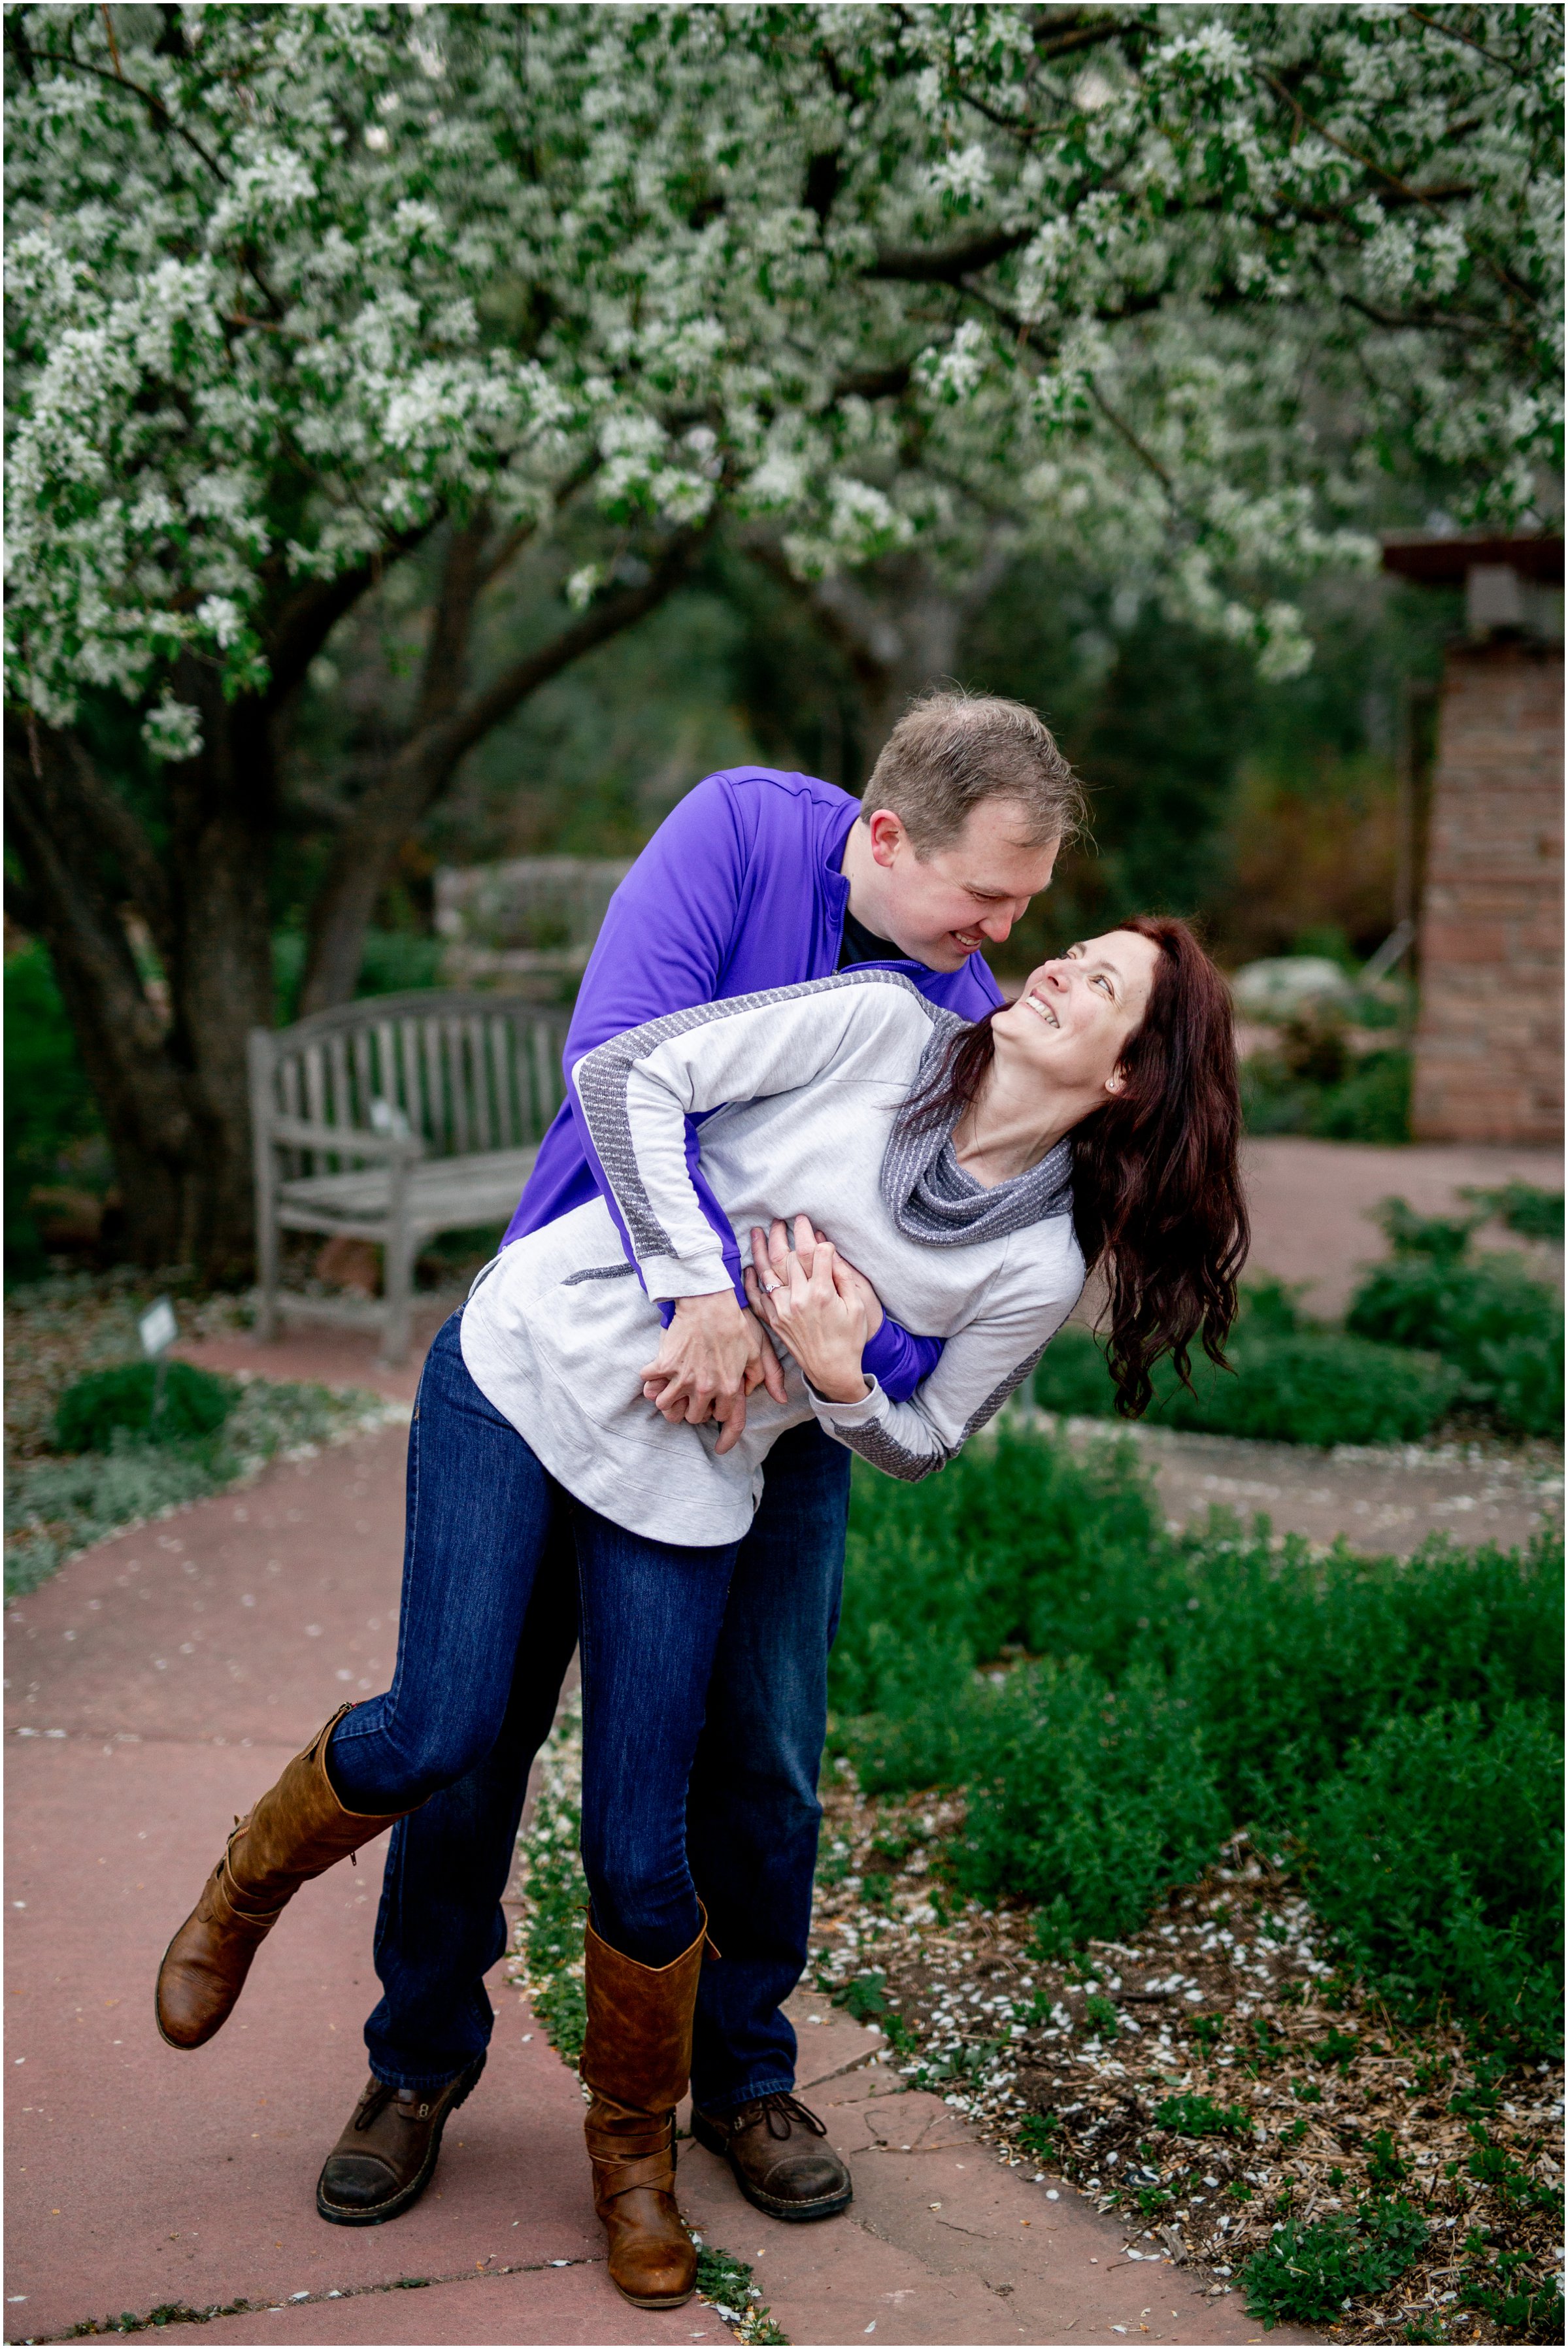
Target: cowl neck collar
column 932, row 1198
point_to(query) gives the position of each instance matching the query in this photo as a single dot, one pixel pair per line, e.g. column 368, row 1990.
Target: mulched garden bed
column 1247, row 2108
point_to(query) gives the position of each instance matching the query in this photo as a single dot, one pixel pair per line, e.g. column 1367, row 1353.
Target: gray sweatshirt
column 811, row 1080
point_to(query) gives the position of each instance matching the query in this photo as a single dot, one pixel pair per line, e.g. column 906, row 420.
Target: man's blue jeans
column 704, row 1713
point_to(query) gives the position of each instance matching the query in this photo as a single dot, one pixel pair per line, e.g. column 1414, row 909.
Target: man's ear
column 887, row 832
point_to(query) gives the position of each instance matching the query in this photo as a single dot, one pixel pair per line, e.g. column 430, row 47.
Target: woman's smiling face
column 1075, row 1014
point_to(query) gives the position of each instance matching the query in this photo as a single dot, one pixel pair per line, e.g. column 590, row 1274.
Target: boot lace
column 780, row 2113
column 376, row 2101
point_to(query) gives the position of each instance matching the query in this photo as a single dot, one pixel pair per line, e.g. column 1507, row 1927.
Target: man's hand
column 711, row 1358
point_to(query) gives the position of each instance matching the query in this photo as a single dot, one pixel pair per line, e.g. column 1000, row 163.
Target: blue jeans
column 704, row 1713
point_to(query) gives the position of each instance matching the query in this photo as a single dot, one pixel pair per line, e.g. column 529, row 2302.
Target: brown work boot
column 780, row 2156
column 387, row 2155
column 295, row 1832
column 636, row 2061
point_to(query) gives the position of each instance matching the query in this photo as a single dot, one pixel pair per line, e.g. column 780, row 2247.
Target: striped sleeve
column 637, row 1090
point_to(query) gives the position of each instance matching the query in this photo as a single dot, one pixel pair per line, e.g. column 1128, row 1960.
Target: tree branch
column 415, row 779
column 603, row 620
column 160, row 111
column 307, row 618
column 945, row 264
column 446, row 654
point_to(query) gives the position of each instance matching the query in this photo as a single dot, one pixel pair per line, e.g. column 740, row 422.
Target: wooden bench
column 392, row 1120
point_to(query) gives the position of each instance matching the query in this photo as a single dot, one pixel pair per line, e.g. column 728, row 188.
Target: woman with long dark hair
column 969, row 1177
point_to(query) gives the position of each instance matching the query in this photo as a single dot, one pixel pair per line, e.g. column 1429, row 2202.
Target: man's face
column 941, row 908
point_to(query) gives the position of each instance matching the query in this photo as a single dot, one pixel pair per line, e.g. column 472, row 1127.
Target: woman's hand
column 816, row 1304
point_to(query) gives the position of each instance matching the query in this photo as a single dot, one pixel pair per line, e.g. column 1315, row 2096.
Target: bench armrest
column 345, row 1140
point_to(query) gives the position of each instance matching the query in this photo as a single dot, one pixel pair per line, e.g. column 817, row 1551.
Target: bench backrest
column 466, row 1072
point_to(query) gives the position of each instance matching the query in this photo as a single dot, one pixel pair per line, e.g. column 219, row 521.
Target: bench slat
column 443, row 1194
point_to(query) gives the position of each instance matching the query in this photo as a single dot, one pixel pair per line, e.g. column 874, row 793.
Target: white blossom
column 173, row 731
column 342, row 271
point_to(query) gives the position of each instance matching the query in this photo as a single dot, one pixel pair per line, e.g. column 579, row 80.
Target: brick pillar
column 1489, row 1042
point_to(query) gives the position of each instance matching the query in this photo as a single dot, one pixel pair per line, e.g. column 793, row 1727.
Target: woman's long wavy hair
column 1156, row 1186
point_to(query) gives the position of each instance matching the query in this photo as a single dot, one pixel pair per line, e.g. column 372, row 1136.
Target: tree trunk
column 171, row 1085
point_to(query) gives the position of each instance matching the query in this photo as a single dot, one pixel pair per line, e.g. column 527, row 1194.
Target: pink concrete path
column 153, row 1687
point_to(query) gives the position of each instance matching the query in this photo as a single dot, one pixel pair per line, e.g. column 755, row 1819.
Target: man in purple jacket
column 757, row 879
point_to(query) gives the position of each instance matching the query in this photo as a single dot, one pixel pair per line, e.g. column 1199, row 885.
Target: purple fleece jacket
column 738, row 890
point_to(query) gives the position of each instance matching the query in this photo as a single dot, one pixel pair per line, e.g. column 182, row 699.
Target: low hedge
column 1305, row 1386
column 1497, row 1327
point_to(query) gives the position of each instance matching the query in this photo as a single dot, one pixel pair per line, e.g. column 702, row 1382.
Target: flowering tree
column 293, row 289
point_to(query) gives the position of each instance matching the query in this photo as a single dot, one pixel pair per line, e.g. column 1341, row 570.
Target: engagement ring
column 769, row 1287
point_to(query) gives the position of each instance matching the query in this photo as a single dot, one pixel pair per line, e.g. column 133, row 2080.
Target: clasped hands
column 809, row 1297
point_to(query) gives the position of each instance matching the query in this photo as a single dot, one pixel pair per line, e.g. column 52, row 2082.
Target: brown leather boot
column 387, row 2155
column 636, row 2060
column 295, row 1832
column 780, row 2156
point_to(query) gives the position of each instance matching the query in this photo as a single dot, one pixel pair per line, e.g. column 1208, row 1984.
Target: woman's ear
column 1117, row 1080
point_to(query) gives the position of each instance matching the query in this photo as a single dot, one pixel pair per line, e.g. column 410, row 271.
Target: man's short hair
column 952, row 749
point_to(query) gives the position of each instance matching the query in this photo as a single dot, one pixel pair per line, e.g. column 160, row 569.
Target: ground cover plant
column 1214, row 2079
column 83, row 1457
column 1115, row 1698
column 1437, row 1328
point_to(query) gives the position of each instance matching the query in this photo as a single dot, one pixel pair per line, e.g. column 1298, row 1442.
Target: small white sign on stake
column 157, row 1328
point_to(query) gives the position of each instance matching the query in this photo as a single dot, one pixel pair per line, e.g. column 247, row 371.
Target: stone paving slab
column 141, row 2175
column 541, row 2305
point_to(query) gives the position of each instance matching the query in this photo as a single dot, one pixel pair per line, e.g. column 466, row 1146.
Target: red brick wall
column 1489, row 1042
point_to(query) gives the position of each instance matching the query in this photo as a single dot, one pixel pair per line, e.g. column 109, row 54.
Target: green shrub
column 1438, row 1860
column 1285, row 1386
column 1072, row 1377
column 1314, row 1387
column 1533, row 1214
column 1289, row 1661
column 91, row 1413
column 1304, row 2275
column 1089, row 1800
column 1019, row 1543
column 1371, row 1103
column 1338, row 1097
column 1501, row 1329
